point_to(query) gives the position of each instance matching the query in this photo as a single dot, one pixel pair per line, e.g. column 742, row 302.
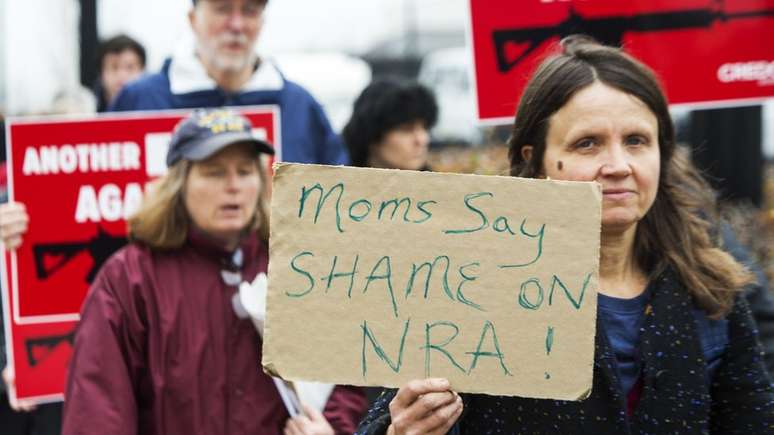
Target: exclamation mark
column 549, row 344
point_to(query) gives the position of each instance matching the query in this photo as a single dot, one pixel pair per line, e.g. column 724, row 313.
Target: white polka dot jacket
column 679, row 395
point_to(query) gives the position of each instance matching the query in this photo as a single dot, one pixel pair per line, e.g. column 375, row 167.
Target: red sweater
column 159, row 350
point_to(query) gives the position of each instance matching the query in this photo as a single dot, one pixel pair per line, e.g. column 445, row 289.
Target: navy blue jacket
column 306, row 135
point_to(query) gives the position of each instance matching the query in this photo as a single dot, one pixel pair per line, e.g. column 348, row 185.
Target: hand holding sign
column 424, row 406
column 13, row 224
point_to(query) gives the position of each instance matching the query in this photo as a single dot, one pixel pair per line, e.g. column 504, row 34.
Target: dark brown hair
column 677, row 231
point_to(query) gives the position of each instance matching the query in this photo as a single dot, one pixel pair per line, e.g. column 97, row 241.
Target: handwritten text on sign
column 377, row 277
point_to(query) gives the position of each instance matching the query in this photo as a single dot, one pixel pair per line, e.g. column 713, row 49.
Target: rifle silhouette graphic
column 47, row 344
column 100, row 248
column 610, row 30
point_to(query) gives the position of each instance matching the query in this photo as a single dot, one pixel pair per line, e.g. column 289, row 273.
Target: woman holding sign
column 676, row 348
column 162, row 347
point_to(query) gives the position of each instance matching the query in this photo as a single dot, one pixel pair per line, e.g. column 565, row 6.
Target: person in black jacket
column 390, row 125
column 676, row 349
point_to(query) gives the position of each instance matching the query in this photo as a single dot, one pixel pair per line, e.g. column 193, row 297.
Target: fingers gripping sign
column 311, row 422
column 13, row 224
column 425, row 406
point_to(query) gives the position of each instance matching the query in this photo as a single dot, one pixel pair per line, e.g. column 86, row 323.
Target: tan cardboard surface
column 510, row 305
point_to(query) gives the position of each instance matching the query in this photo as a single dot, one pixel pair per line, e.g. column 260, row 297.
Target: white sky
column 352, row 26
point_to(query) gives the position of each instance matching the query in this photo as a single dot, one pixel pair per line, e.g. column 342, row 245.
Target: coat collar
column 187, row 74
column 211, row 249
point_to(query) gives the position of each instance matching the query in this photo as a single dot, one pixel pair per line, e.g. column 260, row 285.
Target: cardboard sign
column 704, row 51
column 377, row 277
column 79, row 179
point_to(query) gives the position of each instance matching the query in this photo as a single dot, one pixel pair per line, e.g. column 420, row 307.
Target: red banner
column 704, row 51
column 79, row 179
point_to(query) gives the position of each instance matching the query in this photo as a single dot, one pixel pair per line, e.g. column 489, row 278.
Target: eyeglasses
column 249, row 8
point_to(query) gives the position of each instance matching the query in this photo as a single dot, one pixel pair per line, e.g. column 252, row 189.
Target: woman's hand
column 424, row 406
column 13, row 224
column 16, row 405
column 312, row 422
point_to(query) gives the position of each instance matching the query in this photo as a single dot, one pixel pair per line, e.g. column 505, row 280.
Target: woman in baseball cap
column 160, row 348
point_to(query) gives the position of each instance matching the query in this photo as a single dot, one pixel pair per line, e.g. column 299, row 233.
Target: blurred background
column 334, row 49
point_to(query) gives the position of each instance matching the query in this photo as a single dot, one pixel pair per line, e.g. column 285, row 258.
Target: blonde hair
column 162, row 222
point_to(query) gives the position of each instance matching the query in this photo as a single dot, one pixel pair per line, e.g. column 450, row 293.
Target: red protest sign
column 79, row 179
column 704, row 51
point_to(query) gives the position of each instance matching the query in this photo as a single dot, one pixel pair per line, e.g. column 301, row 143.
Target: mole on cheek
column 559, row 165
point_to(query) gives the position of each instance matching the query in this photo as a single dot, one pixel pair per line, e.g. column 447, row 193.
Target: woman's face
column 222, row 191
column 403, row 147
column 605, row 135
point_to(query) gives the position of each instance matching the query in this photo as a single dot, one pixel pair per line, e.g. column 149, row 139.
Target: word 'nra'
column 488, row 346
column 94, row 157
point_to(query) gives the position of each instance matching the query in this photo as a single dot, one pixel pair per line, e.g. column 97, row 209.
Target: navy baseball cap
column 207, row 131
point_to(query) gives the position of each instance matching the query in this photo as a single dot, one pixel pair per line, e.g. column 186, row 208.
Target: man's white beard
column 233, row 64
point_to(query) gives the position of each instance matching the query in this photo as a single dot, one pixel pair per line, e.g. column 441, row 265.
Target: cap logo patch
column 220, row 121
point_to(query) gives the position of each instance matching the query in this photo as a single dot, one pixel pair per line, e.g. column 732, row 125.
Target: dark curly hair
column 382, row 106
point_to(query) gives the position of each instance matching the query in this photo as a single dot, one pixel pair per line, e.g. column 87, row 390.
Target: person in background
column 120, row 60
column 160, row 347
column 390, row 125
column 676, row 347
column 223, row 69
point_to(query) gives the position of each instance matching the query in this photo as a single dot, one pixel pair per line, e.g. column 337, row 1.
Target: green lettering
column 523, row 301
column 428, row 214
column 497, row 353
column 484, row 221
column 539, row 235
column 465, row 278
column 321, row 201
column 501, row 225
column 396, row 203
column 439, row 346
column 333, row 275
column 301, row 272
column 388, row 276
column 431, row 267
column 575, row 302
column 395, row 366
column 358, row 218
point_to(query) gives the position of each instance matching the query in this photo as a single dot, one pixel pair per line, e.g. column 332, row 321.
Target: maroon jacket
column 159, row 350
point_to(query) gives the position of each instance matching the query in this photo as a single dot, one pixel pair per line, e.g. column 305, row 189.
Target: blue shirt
column 622, row 320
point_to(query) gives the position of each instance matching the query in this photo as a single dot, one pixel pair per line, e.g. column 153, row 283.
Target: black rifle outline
column 50, row 342
column 99, row 247
column 610, row 30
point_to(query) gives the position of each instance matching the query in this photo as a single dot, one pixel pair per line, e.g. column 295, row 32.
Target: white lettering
column 49, row 162
column 114, row 154
column 761, row 71
column 87, row 208
column 98, row 158
column 109, row 204
column 68, row 159
column 93, row 157
column 130, row 155
column 31, row 164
